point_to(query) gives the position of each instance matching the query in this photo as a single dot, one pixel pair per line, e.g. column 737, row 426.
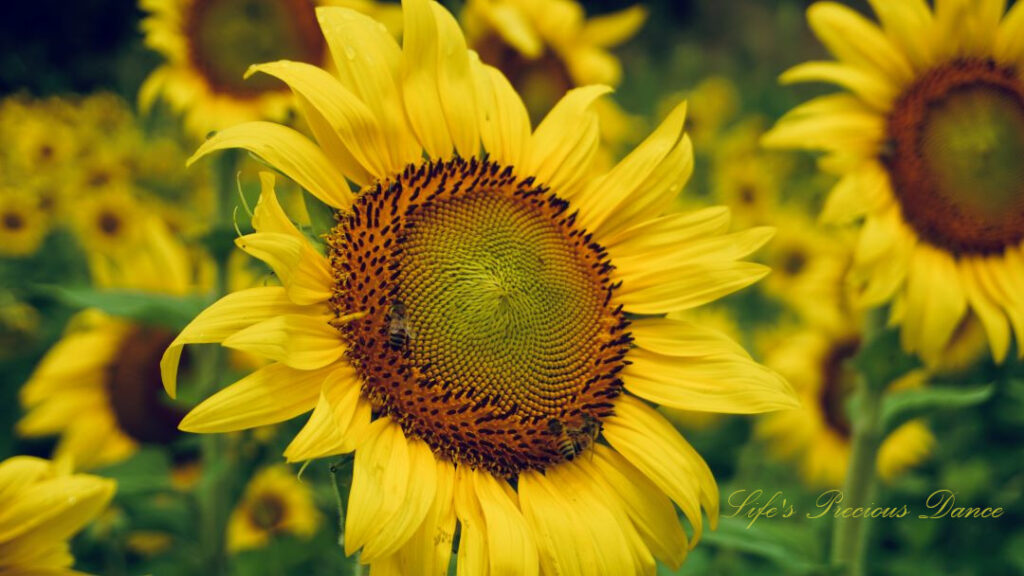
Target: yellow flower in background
column 928, row 140
column 809, row 270
column 41, row 507
column 109, row 222
column 714, row 103
column 23, row 224
column 466, row 332
column 99, row 388
column 275, row 502
column 547, row 47
column 818, row 435
column 209, row 44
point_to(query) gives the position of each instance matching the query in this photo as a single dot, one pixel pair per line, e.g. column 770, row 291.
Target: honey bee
column 573, row 441
column 398, row 326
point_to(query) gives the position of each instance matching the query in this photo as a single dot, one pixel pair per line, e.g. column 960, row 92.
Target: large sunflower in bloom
column 485, row 326
column 41, row 507
column 928, row 139
column 208, row 44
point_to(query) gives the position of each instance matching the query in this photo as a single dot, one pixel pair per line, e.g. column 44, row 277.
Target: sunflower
column 547, row 48
column 818, row 435
column 275, row 502
column 465, row 332
column 23, row 224
column 809, row 267
column 98, row 387
column 927, row 140
column 41, row 507
column 109, row 221
column 208, row 44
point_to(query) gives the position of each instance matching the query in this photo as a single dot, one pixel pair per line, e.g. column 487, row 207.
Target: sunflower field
column 512, row 287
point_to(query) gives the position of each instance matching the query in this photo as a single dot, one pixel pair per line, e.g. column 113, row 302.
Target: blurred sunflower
column 275, row 502
column 466, row 332
column 41, row 507
column 108, row 222
column 209, row 44
column 23, row 224
column 546, row 48
column 818, row 435
column 98, row 388
column 928, row 141
column 809, row 267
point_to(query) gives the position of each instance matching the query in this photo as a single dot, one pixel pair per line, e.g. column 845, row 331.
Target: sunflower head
column 485, row 324
column 275, row 502
column 818, row 436
column 927, row 141
column 23, row 224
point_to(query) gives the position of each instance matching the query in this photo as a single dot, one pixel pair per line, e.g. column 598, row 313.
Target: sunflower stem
column 850, row 535
column 213, row 497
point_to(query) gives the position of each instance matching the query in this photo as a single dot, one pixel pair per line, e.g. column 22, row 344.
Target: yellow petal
column 429, row 551
column 935, row 302
column 436, row 81
column 651, row 444
column 861, row 191
column 909, row 24
column 617, row 190
column 871, row 88
column 300, row 341
column 367, row 60
column 651, row 511
column 18, row 472
column 667, row 230
column 413, row 505
column 685, row 287
column 305, row 273
column 728, row 384
column 682, row 338
column 288, row 151
column 504, row 122
column 268, row 216
column 576, row 534
column 635, row 264
column 612, row 29
column 473, row 537
column 380, row 479
column 351, row 135
column 1009, row 45
column 272, row 394
column 223, row 318
column 855, row 40
column 51, row 510
column 513, row 26
column 328, row 431
column 564, row 144
column 982, row 301
column 510, row 545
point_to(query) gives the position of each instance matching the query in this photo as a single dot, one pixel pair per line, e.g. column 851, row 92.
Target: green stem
column 850, row 535
column 213, row 492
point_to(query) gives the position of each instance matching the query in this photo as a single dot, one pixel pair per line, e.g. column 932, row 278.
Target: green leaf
column 321, row 216
column 147, row 471
column 171, row 312
column 899, row 407
column 779, row 545
column 881, row 361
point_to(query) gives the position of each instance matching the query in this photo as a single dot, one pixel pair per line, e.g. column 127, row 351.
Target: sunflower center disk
column 135, row 389
column 227, row 36
column 838, row 379
column 958, row 137
column 490, row 331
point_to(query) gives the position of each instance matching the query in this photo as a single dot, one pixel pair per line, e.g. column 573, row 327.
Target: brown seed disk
column 836, row 384
column 226, row 36
column 490, row 329
column 952, row 199
column 135, row 389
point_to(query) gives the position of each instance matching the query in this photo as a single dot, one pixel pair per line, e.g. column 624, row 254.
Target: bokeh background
column 60, row 61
